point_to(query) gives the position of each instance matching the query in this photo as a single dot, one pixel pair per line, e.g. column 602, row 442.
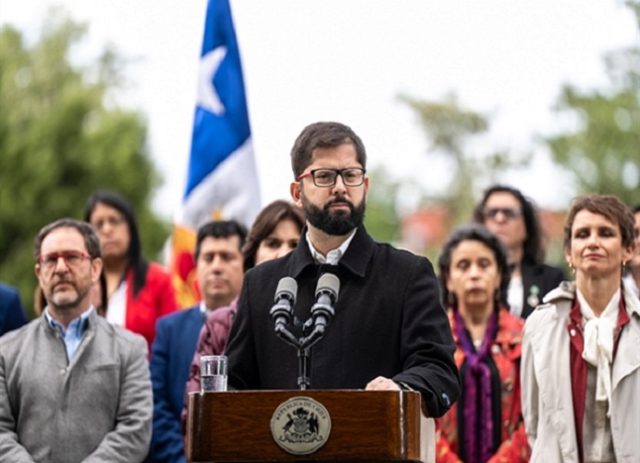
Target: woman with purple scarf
column 485, row 425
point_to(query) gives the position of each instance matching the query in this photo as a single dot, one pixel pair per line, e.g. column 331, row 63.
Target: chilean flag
column 222, row 180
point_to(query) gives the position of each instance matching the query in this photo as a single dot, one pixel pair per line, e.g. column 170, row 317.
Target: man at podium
column 388, row 330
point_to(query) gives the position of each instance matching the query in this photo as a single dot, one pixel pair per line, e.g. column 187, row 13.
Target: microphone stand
column 304, row 356
column 304, row 365
column 321, row 314
column 303, row 346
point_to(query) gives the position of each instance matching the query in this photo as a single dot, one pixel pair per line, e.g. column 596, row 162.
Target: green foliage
column 602, row 152
column 60, row 141
column 449, row 127
column 602, row 155
column 446, row 124
column 382, row 220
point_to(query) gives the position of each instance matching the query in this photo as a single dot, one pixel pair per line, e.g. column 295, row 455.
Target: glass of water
column 213, row 373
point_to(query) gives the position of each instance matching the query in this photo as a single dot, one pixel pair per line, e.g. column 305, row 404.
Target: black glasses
column 507, row 212
column 72, row 259
column 352, row 176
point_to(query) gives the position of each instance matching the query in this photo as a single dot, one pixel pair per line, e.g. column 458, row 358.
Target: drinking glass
column 213, row 373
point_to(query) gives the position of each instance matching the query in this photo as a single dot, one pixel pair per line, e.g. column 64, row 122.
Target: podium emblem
column 300, row 425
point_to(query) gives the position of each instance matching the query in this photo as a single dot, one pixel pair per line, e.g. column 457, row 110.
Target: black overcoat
column 389, row 321
column 537, row 281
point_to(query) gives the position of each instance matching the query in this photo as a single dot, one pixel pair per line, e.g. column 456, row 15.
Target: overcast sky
column 347, row 60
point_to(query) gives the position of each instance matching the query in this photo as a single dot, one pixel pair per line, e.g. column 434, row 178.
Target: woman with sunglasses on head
column 139, row 292
column 485, row 425
column 513, row 218
column 581, row 349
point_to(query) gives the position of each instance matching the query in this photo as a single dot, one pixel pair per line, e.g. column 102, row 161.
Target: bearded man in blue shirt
column 73, row 387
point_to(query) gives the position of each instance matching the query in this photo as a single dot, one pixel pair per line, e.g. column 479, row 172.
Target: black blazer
column 537, row 281
column 388, row 321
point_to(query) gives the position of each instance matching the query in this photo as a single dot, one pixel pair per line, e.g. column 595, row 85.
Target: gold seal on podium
column 301, row 425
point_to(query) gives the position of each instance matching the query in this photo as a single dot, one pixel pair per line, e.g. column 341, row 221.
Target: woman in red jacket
column 485, row 425
column 139, row 292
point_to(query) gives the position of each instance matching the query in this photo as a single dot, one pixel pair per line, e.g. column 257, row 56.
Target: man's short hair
column 91, row 241
column 220, row 229
column 323, row 135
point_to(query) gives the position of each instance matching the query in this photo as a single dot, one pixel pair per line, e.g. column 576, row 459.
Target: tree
column 382, row 220
column 449, row 127
column 601, row 152
column 61, row 138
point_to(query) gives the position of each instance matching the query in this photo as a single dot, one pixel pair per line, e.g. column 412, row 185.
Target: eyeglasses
column 111, row 221
column 72, row 259
column 352, row 176
column 507, row 212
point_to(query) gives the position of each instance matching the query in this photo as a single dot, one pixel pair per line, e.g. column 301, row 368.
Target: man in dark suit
column 389, row 332
column 219, row 269
column 11, row 312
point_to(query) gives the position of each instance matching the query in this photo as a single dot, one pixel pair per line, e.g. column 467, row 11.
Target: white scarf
column 598, row 343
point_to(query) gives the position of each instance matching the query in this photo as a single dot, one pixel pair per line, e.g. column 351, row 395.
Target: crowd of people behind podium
column 538, row 365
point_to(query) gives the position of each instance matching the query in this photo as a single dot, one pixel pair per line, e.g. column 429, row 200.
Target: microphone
column 327, row 291
column 284, row 300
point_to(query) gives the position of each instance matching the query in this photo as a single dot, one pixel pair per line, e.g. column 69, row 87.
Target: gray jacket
column 98, row 408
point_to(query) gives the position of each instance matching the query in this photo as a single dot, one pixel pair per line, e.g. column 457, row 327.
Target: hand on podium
column 381, row 383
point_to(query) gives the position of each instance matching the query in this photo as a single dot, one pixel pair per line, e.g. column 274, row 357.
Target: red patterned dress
column 505, row 352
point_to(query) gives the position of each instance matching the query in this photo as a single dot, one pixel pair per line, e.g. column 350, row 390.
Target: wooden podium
column 346, row 425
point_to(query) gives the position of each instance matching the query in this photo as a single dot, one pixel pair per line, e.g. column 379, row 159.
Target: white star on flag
column 207, row 96
column 222, row 179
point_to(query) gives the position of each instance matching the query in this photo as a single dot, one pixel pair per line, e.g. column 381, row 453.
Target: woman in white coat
column 581, row 348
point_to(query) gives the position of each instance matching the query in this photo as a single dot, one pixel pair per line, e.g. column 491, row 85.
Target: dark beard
column 334, row 223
